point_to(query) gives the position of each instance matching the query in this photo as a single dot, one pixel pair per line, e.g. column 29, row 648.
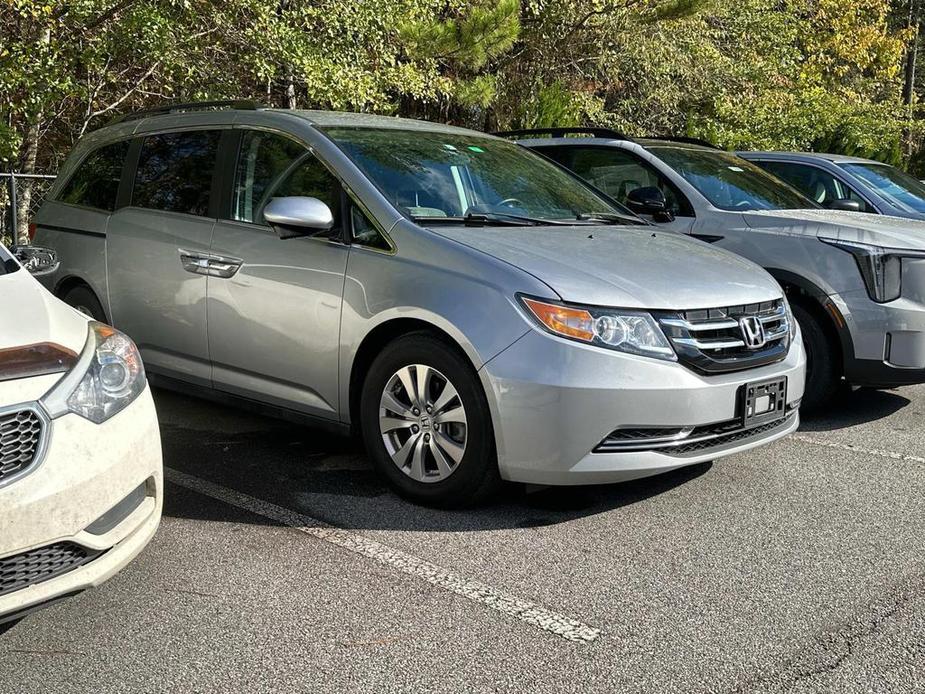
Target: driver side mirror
column 292, row 217
column 651, row 201
column 37, row 260
column 845, row 205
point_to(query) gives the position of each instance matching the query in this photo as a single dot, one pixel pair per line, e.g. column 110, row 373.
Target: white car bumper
column 84, row 510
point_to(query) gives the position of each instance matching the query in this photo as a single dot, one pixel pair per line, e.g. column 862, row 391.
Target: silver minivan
column 477, row 312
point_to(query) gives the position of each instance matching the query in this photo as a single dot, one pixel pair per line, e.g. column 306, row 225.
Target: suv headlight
column 881, row 268
column 634, row 332
column 108, row 376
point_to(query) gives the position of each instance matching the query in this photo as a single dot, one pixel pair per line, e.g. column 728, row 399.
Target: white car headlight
column 108, row 376
column 634, row 332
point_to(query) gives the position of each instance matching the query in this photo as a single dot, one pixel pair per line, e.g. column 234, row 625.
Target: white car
column 81, row 474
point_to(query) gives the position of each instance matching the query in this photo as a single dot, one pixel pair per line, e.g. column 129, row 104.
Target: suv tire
column 414, row 442
column 823, row 376
column 85, row 301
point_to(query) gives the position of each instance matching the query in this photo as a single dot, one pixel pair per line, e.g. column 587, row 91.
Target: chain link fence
column 21, row 195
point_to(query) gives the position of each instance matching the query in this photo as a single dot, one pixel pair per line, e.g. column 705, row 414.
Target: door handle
column 209, row 264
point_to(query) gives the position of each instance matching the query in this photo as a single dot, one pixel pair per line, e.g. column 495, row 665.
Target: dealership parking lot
column 284, row 564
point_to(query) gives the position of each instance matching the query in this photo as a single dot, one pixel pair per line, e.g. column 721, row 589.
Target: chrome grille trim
column 712, row 340
column 36, row 455
column 700, row 437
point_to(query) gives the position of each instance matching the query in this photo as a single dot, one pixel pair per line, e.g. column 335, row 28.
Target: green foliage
column 794, row 74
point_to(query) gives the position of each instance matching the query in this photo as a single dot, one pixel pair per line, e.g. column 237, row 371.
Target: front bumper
column 553, row 401
column 885, row 345
column 69, row 497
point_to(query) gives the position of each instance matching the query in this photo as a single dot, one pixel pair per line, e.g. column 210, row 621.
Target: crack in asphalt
column 831, row 649
column 892, row 455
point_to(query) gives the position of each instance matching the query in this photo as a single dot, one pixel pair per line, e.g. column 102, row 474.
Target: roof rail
column 562, row 132
column 685, row 140
column 242, row 104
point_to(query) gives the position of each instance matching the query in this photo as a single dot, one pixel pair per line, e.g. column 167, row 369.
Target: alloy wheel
column 423, row 423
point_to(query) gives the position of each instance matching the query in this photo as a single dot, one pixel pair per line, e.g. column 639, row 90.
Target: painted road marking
column 858, row 449
column 524, row 610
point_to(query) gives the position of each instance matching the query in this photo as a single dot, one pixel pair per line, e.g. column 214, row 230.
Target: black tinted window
column 309, row 178
column 365, row 232
column 814, row 183
column 175, row 172
column 263, row 158
column 95, row 183
column 618, row 173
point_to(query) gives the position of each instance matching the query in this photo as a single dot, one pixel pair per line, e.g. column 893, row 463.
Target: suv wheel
column 85, row 301
column 823, row 376
column 426, row 423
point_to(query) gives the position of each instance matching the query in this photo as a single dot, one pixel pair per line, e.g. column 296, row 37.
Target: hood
column 29, row 314
column 862, row 227
column 623, row 266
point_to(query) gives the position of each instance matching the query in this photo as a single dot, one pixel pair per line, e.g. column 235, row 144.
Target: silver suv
column 856, row 281
column 477, row 312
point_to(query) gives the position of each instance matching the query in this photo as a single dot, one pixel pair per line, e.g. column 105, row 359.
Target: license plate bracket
column 764, row 401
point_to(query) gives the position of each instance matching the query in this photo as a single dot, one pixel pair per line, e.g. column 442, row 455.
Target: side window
column 364, row 232
column 618, row 173
column 309, row 178
column 813, row 182
column 95, row 183
column 175, row 172
column 263, row 158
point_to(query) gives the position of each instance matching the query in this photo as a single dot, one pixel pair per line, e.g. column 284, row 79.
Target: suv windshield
column 731, row 183
column 452, row 177
column 893, row 184
column 7, row 263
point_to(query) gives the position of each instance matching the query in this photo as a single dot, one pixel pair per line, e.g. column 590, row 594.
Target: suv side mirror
column 845, row 205
column 37, row 260
column 298, row 216
column 651, row 201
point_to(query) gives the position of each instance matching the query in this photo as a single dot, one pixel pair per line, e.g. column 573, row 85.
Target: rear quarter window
column 175, row 170
column 95, row 183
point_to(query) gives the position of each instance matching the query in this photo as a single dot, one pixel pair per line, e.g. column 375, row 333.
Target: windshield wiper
column 510, row 218
column 607, row 218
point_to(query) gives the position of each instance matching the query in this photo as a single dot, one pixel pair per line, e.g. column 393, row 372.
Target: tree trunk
column 27, row 158
column 912, row 53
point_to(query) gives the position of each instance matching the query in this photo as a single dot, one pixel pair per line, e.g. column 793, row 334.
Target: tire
column 84, row 300
column 407, row 454
column 823, row 366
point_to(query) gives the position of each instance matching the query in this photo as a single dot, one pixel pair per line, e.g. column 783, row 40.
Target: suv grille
column 38, row 565
column 20, row 436
column 727, row 339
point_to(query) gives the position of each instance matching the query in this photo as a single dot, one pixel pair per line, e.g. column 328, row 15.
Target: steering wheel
column 511, row 202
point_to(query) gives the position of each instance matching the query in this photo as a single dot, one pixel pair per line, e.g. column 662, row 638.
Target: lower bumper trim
column 684, row 441
column 42, row 564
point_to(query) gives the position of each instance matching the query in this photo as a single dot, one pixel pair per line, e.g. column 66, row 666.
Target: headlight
column 881, row 268
column 108, row 376
column 635, row 332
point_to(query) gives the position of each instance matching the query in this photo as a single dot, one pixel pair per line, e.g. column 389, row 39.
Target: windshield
column 7, row 263
column 895, row 185
column 452, row 178
column 731, row 183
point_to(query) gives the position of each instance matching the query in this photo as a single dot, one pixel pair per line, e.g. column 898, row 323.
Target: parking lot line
column 524, row 610
column 858, row 449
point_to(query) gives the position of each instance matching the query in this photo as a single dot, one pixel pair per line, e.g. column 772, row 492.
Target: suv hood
column 623, row 266
column 29, row 314
column 862, row 227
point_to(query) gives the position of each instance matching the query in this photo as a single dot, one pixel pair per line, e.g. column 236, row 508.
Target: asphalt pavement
column 283, row 564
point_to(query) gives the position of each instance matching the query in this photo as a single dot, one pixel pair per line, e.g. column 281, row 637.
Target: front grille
column 42, row 564
column 680, row 441
column 715, row 341
column 20, row 439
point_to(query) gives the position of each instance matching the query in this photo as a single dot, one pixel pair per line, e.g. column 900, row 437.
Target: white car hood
column 29, row 314
column 862, row 227
column 624, row 266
